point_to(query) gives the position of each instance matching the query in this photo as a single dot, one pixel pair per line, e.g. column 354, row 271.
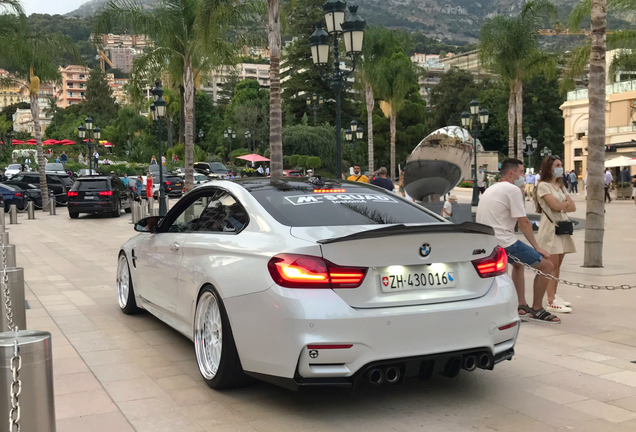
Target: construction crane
column 566, row 32
column 104, row 59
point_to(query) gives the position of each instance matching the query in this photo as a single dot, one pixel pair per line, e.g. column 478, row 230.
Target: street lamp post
column 9, row 139
column 315, row 103
column 529, row 147
column 84, row 131
column 352, row 135
column 545, row 151
column 470, row 121
column 158, row 110
column 248, row 140
column 352, row 32
column 201, row 135
column 230, row 135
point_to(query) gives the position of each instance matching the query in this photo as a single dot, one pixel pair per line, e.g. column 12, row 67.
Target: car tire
column 125, row 290
column 128, row 209
column 215, row 350
column 117, row 211
column 73, row 215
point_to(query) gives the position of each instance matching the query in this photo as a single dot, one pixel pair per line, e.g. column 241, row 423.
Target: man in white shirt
column 447, row 211
column 609, row 178
column 267, row 171
column 502, row 207
column 260, row 169
column 481, row 180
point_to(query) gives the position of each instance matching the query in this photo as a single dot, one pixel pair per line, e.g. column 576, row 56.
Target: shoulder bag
column 562, row 227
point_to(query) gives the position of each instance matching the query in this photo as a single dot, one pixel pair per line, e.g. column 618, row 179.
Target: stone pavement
column 118, row 373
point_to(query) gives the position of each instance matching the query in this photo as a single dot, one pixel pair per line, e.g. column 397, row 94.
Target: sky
column 51, row 6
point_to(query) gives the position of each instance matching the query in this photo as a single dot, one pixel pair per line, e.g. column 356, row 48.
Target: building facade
column 620, row 125
column 213, row 84
column 73, row 88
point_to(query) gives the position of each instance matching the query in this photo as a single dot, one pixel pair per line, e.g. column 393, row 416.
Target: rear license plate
column 177, row 184
column 89, row 197
column 414, row 278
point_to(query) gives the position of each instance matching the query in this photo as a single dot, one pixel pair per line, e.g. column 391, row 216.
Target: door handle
column 175, row 246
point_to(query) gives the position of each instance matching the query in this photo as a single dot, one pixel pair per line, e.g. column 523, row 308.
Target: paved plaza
column 119, row 373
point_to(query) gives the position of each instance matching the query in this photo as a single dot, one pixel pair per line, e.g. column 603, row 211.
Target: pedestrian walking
column 566, row 180
column 57, row 160
column 163, row 161
column 358, row 176
column 481, row 180
column 63, row 157
column 267, row 171
column 381, row 180
column 401, row 190
column 447, row 210
column 95, row 159
column 125, row 180
column 153, row 160
column 608, row 182
column 574, row 182
column 80, row 158
column 260, row 170
column 502, row 207
column 555, row 228
column 530, row 179
column 139, row 185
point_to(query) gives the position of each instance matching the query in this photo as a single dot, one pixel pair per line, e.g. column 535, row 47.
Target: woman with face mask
column 554, row 202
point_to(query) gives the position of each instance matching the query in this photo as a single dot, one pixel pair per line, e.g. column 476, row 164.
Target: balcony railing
column 619, row 87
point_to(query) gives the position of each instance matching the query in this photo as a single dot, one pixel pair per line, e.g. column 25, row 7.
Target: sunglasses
column 555, row 157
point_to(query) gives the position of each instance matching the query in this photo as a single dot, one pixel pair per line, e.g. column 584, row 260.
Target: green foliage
column 452, row 96
column 179, row 149
column 308, row 140
column 303, row 161
column 293, row 160
column 238, row 152
column 314, row 162
column 100, row 103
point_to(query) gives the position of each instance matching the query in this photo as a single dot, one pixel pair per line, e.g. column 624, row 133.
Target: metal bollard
column 154, row 211
column 52, row 207
column 13, row 214
column 31, row 210
column 3, row 222
column 136, row 211
column 11, row 262
column 5, row 238
column 151, row 203
column 18, row 307
column 36, row 401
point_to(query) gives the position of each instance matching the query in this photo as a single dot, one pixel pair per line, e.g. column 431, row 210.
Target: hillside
column 455, row 21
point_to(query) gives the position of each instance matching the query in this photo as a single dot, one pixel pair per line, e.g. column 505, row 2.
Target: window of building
column 70, row 85
column 70, row 102
column 70, row 94
column 578, row 152
column 81, row 76
column 580, row 135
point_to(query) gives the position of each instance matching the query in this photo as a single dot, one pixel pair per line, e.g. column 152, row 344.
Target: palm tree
column 188, row 35
column 51, row 109
column 275, row 114
column 509, row 47
column 173, row 107
column 395, row 76
column 378, row 42
column 595, row 212
column 33, row 56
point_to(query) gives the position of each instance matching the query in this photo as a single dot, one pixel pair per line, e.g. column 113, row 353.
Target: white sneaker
column 559, row 300
column 556, row 308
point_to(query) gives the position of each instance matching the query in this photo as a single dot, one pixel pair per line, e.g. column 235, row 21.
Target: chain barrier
column 574, row 284
column 16, row 360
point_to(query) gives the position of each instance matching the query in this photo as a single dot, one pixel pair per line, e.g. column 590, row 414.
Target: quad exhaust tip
column 392, row 375
column 470, row 363
column 375, row 376
column 485, row 361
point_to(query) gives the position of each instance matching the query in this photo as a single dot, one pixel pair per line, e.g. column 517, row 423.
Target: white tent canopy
column 620, row 161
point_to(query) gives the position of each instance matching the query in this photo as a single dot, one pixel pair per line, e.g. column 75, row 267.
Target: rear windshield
column 91, row 185
column 10, row 187
column 66, row 180
column 54, row 167
column 350, row 205
column 218, row 166
column 14, row 166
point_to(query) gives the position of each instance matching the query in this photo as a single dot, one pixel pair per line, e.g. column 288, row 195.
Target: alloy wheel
column 208, row 335
column 123, row 281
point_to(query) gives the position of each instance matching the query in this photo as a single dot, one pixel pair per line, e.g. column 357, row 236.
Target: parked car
column 173, row 183
column 12, row 194
column 99, row 194
column 211, row 168
column 283, row 281
column 292, row 173
column 12, row 170
column 86, row 172
column 55, row 168
column 60, row 184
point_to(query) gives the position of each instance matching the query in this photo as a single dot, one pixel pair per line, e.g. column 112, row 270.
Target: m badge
column 425, row 250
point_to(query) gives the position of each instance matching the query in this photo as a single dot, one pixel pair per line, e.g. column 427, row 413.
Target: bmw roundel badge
column 425, row 250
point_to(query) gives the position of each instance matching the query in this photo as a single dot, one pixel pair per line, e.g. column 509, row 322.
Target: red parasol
column 253, row 158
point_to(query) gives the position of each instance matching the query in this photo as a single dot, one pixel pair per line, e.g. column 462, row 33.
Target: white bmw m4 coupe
column 308, row 281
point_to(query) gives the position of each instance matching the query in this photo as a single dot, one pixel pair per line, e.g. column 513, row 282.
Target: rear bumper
column 273, row 329
column 96, row 207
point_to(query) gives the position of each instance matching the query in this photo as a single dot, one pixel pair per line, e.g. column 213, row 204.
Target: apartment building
column 73, row 88
column 122, row 49
column 213, row 84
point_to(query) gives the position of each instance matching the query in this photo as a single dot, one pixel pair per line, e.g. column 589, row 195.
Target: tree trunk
column 35, row 113
column 275, row 115
column 595, row 213
column 188, row 98
column 519, row 116
column 169, row 120
column 182, row 115
column 368, row 93
column 511, row 122
column 393, row 128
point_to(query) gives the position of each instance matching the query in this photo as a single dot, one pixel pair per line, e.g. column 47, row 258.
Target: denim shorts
column 524, row 253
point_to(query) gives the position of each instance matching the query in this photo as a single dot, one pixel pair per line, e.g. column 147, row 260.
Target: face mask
column 520, row 181
column 558, row 172
column 480, row 171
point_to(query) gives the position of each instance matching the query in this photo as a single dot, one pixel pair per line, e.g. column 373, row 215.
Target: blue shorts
column 524, row 253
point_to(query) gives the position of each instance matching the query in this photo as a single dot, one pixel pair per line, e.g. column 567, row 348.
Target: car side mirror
column 148, row 225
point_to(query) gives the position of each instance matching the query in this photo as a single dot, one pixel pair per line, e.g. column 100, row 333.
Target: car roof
column 100, row 177
column 299, row 183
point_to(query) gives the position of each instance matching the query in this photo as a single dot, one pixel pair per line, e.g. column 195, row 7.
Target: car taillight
column 168, row 183
column 18, row 195
column 304, row 271
column 106, row 193
column 494, row 265
column 72, row 193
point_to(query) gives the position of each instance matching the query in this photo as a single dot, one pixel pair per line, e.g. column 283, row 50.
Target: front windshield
column 218, row 166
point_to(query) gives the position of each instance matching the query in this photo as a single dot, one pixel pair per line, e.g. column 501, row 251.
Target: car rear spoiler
column 401, row 229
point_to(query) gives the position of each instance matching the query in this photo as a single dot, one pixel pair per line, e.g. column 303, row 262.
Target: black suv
column 99, row 194
column 174, row 183
column 207, row 168
column 60, row 184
